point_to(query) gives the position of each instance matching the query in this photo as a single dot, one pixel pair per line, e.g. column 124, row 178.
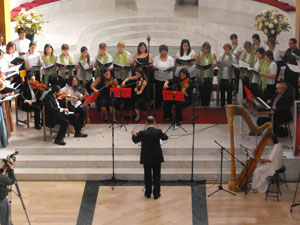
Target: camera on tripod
column 9, row 157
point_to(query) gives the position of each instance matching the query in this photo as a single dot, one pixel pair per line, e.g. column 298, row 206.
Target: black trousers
column 152, row 173
column 255, row 90
column 236, row 83
column 226, row 86
column 167, row 109
column 4, row 212
column 158, row 93
column 36, row 108
column 205, row 91
column 81, row 111
column 245, row 82
column 292, row 78
column 64, row 121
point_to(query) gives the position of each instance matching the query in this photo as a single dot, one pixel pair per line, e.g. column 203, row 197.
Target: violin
column 184, row 85
column 39, row 86
column 111, row 81
column 65, row 95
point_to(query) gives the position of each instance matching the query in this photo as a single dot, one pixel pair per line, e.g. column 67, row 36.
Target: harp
column 236, row 110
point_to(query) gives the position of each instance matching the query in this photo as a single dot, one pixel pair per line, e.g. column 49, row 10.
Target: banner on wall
column 297, row 127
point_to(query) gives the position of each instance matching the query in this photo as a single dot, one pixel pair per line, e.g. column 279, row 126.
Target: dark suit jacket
column 25, row 94
column 151, row 151
column 52, row 111
column 283, row 113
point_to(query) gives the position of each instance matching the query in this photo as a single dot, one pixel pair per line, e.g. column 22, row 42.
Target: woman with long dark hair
column 33, row 61
column 84, row 67
column 50, row 75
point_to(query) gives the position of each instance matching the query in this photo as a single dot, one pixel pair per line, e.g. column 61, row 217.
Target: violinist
column 72, row 88
column 141, row 94
column 30, row 93
column 104, row 99
column 181, row 83
column 55, row 114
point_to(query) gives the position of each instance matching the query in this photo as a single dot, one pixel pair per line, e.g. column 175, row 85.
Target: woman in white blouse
column 163, row 65
column 186, row 53
column 11, row 52
column 22, row 43
column 84, row 67
column 268, row 76
column 2, row 45
column 3, row 62
column 33, row 61
column 272, row 47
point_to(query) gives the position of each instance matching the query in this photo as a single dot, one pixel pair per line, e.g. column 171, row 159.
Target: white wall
column 290, row 2
column 16, row 3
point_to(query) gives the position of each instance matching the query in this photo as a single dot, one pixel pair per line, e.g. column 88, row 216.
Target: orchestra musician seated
column 104, row 99
column 141, row 92
column 181, row 83
column 268, row 166
column 55, row 114
column 72, row 89
column 30, row 94
column 281, row 105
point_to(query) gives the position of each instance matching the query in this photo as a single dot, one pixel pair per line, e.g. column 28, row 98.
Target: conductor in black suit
column 58, row 115
column 151, row 155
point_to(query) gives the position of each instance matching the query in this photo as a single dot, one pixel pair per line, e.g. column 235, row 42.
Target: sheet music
column 294, row 68
column 264, row 103
column 8, row 98
column 296, row 56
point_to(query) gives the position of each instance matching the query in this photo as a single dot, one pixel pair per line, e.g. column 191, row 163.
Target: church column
column 297, row 30
column 5, row 29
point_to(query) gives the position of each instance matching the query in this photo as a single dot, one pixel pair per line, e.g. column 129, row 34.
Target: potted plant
column 31, row 20
column 272, row 23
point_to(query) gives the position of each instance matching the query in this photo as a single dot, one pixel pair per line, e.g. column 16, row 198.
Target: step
column 124, row 161
column 210, row 175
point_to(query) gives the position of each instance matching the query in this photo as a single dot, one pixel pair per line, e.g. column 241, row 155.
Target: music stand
column 174, row 96
column 121, row 93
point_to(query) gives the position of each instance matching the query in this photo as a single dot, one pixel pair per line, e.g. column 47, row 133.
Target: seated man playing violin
column 181, row 83
column 55, row 114
column 104, row 100
column 30, row 94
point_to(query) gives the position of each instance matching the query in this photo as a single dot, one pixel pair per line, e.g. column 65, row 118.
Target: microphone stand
column 113, row 179
column 192, row 182
column 220, row 187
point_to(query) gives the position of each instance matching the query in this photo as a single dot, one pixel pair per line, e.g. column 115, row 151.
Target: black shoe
column 82, row 135
column 136, row 121
column 37, row 127
column 59, row 142
column 147, row 195
column 178, row 124
column 157, row 196
column 167, row 119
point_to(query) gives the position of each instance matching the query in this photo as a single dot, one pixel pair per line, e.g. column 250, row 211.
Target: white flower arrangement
column 271, row 22
column 32, row 21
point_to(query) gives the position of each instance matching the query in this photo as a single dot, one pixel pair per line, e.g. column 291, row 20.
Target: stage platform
column 90, row 158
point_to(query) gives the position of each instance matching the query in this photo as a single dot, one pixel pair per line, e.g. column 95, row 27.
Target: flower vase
column 30, row 37
column 272, row 36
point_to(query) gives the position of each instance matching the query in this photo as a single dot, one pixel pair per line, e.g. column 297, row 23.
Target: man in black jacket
column 289, row 76
column 4, row 182
column 151, row 155
column 30, row 99
column 281, row 104
column 57, row 115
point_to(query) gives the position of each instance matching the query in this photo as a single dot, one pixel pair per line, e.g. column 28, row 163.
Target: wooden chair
column 29, row 116
column 45, row 136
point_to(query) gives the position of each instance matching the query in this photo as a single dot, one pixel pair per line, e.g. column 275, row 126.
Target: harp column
column 5, row 29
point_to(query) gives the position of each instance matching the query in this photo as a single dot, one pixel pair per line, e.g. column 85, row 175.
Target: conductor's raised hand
column 133, row 132
column 163, row 130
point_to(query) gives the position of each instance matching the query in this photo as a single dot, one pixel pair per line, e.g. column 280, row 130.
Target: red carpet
column 204, row 116
column 281, row 5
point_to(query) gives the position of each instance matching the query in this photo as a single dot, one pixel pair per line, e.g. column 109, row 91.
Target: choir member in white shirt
column 236, row 50
column 2, row 45
column 206, row 58
column 255, row 42
column 123, row 58
column 84, row 67
column 33, row 61
column 186, row 53
column 256, row 78
column 226, row 74
column 163, row 65
column 103, row 57
column 73, row 88
column 11, row 52
column 272, row 47
column 3, row 62
column 268, row 76
column 22, row 43
column 49, row 59
column 268, row 166
column 65, row 58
